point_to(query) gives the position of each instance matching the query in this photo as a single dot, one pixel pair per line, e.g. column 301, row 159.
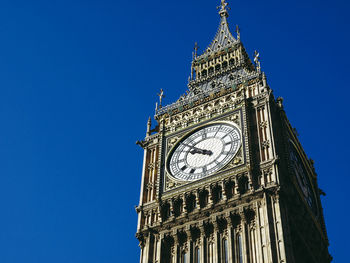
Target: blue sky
column 78, row 80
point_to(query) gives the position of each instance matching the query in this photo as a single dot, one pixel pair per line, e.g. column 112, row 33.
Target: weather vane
column 223, row 5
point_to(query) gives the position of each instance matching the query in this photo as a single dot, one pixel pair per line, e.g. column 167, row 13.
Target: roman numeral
column 217, row 130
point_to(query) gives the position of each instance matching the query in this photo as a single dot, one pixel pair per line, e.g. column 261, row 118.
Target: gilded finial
column 223, row 8
column 195, row 50
column 223, row 4
column 161, row 96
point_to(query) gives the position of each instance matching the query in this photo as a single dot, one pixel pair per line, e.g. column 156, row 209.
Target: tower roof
column 223, row 35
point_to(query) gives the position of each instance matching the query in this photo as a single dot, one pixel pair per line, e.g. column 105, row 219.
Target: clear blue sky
column 78, row 80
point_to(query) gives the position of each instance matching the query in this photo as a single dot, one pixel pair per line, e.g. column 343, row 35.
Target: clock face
column 204, row 151
column 301, row 176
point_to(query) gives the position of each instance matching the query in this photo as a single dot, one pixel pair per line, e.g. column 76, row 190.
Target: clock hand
column 202, row 151
column 198, row 150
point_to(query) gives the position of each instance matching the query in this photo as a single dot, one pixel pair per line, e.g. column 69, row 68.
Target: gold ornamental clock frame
column 235, row 118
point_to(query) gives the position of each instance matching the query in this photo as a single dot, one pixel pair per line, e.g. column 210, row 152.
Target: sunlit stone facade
column 225, row 178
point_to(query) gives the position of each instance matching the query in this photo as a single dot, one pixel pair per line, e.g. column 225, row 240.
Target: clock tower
column 225, row 178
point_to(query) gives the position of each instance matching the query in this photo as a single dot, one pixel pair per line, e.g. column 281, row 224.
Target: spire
column 223, row 36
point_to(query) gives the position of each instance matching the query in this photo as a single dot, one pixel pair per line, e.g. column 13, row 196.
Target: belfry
column 225, row 178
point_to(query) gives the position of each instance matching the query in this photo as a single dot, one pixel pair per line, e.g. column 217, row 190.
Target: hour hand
column 197, row 150
column 201, row 151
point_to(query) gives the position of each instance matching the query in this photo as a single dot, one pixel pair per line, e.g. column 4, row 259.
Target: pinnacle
column 223, row 35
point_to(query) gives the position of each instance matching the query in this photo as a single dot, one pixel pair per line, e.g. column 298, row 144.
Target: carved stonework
column 172, row 142
column 225, row 141
column 265, row 144
column 171, row 184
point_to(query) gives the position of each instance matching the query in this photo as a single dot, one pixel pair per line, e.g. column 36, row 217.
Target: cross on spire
column 223, row 4
column 161, row 96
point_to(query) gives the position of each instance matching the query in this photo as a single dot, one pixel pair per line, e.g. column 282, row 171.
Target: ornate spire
column 223, row 36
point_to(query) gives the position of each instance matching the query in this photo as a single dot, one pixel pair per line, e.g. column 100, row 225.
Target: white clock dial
column 203, row 152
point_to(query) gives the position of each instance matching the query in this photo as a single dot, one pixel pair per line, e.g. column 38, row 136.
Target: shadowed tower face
column 225, row 178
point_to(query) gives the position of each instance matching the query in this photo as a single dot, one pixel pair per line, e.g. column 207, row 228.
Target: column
column 142, row 186
column 175, row 248
column 158, row 244
column 198, row 205
column 224, row 196
column 235, row 190
column 245, row 245
column 146, row 248
column 189, row 252
column 210, row 196
column 229, row 238
column 184, row 204
column 216, row 244
column 141, row 245
column 202, row 238
column 171, row 208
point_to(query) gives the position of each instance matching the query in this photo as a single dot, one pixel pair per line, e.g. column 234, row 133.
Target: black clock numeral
column 192, row 171
column 217, row 130
column 224, row 136
column 183, row 168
